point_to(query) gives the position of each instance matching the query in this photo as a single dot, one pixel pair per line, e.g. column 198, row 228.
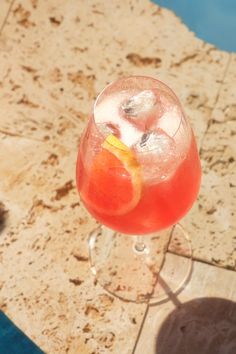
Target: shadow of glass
column 3, row 217
column 200, row 326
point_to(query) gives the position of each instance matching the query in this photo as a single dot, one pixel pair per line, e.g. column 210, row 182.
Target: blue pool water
column 214, row 21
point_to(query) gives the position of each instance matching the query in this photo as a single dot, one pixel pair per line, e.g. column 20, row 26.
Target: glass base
column 141, row 269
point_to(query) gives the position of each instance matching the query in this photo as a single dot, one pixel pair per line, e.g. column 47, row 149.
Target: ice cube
column 143, row 102
column 173, row 124
column 157, row 142
column 156, row 152
column 108, row 117
column 170, row 121
column 109, row 128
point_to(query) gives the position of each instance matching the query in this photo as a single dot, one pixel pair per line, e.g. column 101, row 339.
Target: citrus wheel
column 114, row 182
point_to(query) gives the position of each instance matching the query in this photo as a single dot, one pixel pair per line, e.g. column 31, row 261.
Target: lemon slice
column 115, row 181
column 113, row 142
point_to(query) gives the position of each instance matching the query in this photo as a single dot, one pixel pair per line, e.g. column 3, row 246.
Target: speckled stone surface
column 55, row 57
column 4, row 8
column 212, row 221
column 47, row 287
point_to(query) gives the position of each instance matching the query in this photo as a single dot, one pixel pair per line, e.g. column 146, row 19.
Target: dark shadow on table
column 200, row 326
column 3, row 217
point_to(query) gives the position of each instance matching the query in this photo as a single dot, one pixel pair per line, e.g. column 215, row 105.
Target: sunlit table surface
column 55, row 56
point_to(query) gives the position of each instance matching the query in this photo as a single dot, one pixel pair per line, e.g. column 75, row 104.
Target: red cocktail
column 138, row 169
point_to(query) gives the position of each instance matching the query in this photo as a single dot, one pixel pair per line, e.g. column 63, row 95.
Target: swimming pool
column 214, row 21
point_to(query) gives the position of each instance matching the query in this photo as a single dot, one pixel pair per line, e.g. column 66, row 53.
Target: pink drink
column 153, row 127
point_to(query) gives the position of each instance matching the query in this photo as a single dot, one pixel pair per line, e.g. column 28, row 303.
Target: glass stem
column 139, row 245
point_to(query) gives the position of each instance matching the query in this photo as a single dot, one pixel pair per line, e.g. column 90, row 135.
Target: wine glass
column 138, row 173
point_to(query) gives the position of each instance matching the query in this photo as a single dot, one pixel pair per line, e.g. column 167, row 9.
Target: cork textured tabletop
column 55, row 57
